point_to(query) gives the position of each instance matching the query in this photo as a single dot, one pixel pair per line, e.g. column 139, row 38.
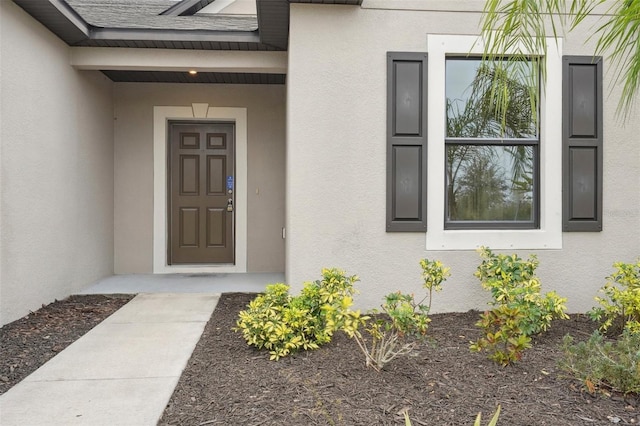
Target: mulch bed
column 227, row 382
column 31, row 341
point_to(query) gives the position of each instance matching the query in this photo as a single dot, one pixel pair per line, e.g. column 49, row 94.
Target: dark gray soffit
column 172, row 44
column 273, row 22
column 201, row 77
column 58, row 17
column 273, row 19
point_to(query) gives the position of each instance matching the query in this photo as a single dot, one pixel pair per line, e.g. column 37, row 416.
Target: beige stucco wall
column 336, row 163
column 134, row 167
column 56, row 186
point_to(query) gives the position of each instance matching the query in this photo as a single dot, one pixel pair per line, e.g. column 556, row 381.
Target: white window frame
column 549, row 234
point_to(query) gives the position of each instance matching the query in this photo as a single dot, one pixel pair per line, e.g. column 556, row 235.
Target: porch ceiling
column 201, row 77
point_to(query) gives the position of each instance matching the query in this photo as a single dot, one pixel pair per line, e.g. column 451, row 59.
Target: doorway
column 201, row 193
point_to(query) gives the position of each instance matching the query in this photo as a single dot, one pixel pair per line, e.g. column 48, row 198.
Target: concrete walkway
column 122, row 372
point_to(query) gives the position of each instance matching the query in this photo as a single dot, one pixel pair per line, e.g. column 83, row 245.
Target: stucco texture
column 56, row 169
column 336, row 165
column 134, row 167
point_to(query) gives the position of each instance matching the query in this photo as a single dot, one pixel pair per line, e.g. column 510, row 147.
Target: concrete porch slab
column 184, row 283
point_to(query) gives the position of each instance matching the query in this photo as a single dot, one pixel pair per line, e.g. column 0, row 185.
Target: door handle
column 230, row 205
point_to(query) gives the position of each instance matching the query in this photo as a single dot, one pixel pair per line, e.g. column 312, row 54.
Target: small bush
column 502, row 335
column 521, row 311
column 403, row 323
column 284, row 324
column 599, row 363
column 620, row 307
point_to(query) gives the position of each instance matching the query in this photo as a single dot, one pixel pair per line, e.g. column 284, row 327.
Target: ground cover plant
column 611, row 362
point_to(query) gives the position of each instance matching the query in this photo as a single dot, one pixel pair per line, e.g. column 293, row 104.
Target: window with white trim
column 476, row 194
column 491, row 158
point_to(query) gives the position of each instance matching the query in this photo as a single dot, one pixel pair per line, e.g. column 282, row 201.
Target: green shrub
column 521, row 311
column 403, row 323
column 502, row 335
column 284, row 324
column 620, row 306
column 604, row 363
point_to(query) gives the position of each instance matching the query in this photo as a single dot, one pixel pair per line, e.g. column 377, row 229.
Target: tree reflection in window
column 491, row 159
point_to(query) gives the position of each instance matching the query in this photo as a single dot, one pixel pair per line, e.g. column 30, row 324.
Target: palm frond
column 513, row 29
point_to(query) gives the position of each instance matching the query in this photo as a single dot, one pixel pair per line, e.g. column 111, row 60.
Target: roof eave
column 58, row 17
column 273, row 24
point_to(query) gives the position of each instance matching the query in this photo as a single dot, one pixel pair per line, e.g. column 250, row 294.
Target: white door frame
column 161, row 117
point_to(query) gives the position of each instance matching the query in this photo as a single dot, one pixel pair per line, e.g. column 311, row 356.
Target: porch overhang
column 175, row 65
column 272, row 33
column 177, row 60
column 243, row 54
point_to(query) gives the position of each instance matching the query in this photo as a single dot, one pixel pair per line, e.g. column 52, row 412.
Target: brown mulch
column 29, row 342
column 227, row 382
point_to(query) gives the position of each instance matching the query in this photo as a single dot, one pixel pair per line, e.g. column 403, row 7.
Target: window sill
column 512, row 239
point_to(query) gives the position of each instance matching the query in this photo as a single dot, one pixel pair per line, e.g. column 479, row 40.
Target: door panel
column 189, row 175
column 215, row 223
column 216, row 174
column 201, row 193
column 188, row 227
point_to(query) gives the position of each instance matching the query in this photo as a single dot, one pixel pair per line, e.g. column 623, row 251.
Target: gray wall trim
column 187, row 7
column 582, row 144
column 406, row 142
column 173, row 35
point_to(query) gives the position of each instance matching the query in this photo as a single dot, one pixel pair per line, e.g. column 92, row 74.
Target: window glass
column 491, row 161
column 490, row 183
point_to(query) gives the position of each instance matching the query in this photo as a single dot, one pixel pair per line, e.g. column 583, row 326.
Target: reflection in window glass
column 490, row 183
column 491, row 161
column 473, row 89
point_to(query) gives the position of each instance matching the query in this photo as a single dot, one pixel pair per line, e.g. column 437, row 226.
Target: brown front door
column 201, row 193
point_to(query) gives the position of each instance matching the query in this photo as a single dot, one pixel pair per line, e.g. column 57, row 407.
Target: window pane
column 471, row 108
column 490, row 183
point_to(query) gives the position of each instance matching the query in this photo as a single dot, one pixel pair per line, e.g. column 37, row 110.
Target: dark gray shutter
column 582, row 143
column 406, row 142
